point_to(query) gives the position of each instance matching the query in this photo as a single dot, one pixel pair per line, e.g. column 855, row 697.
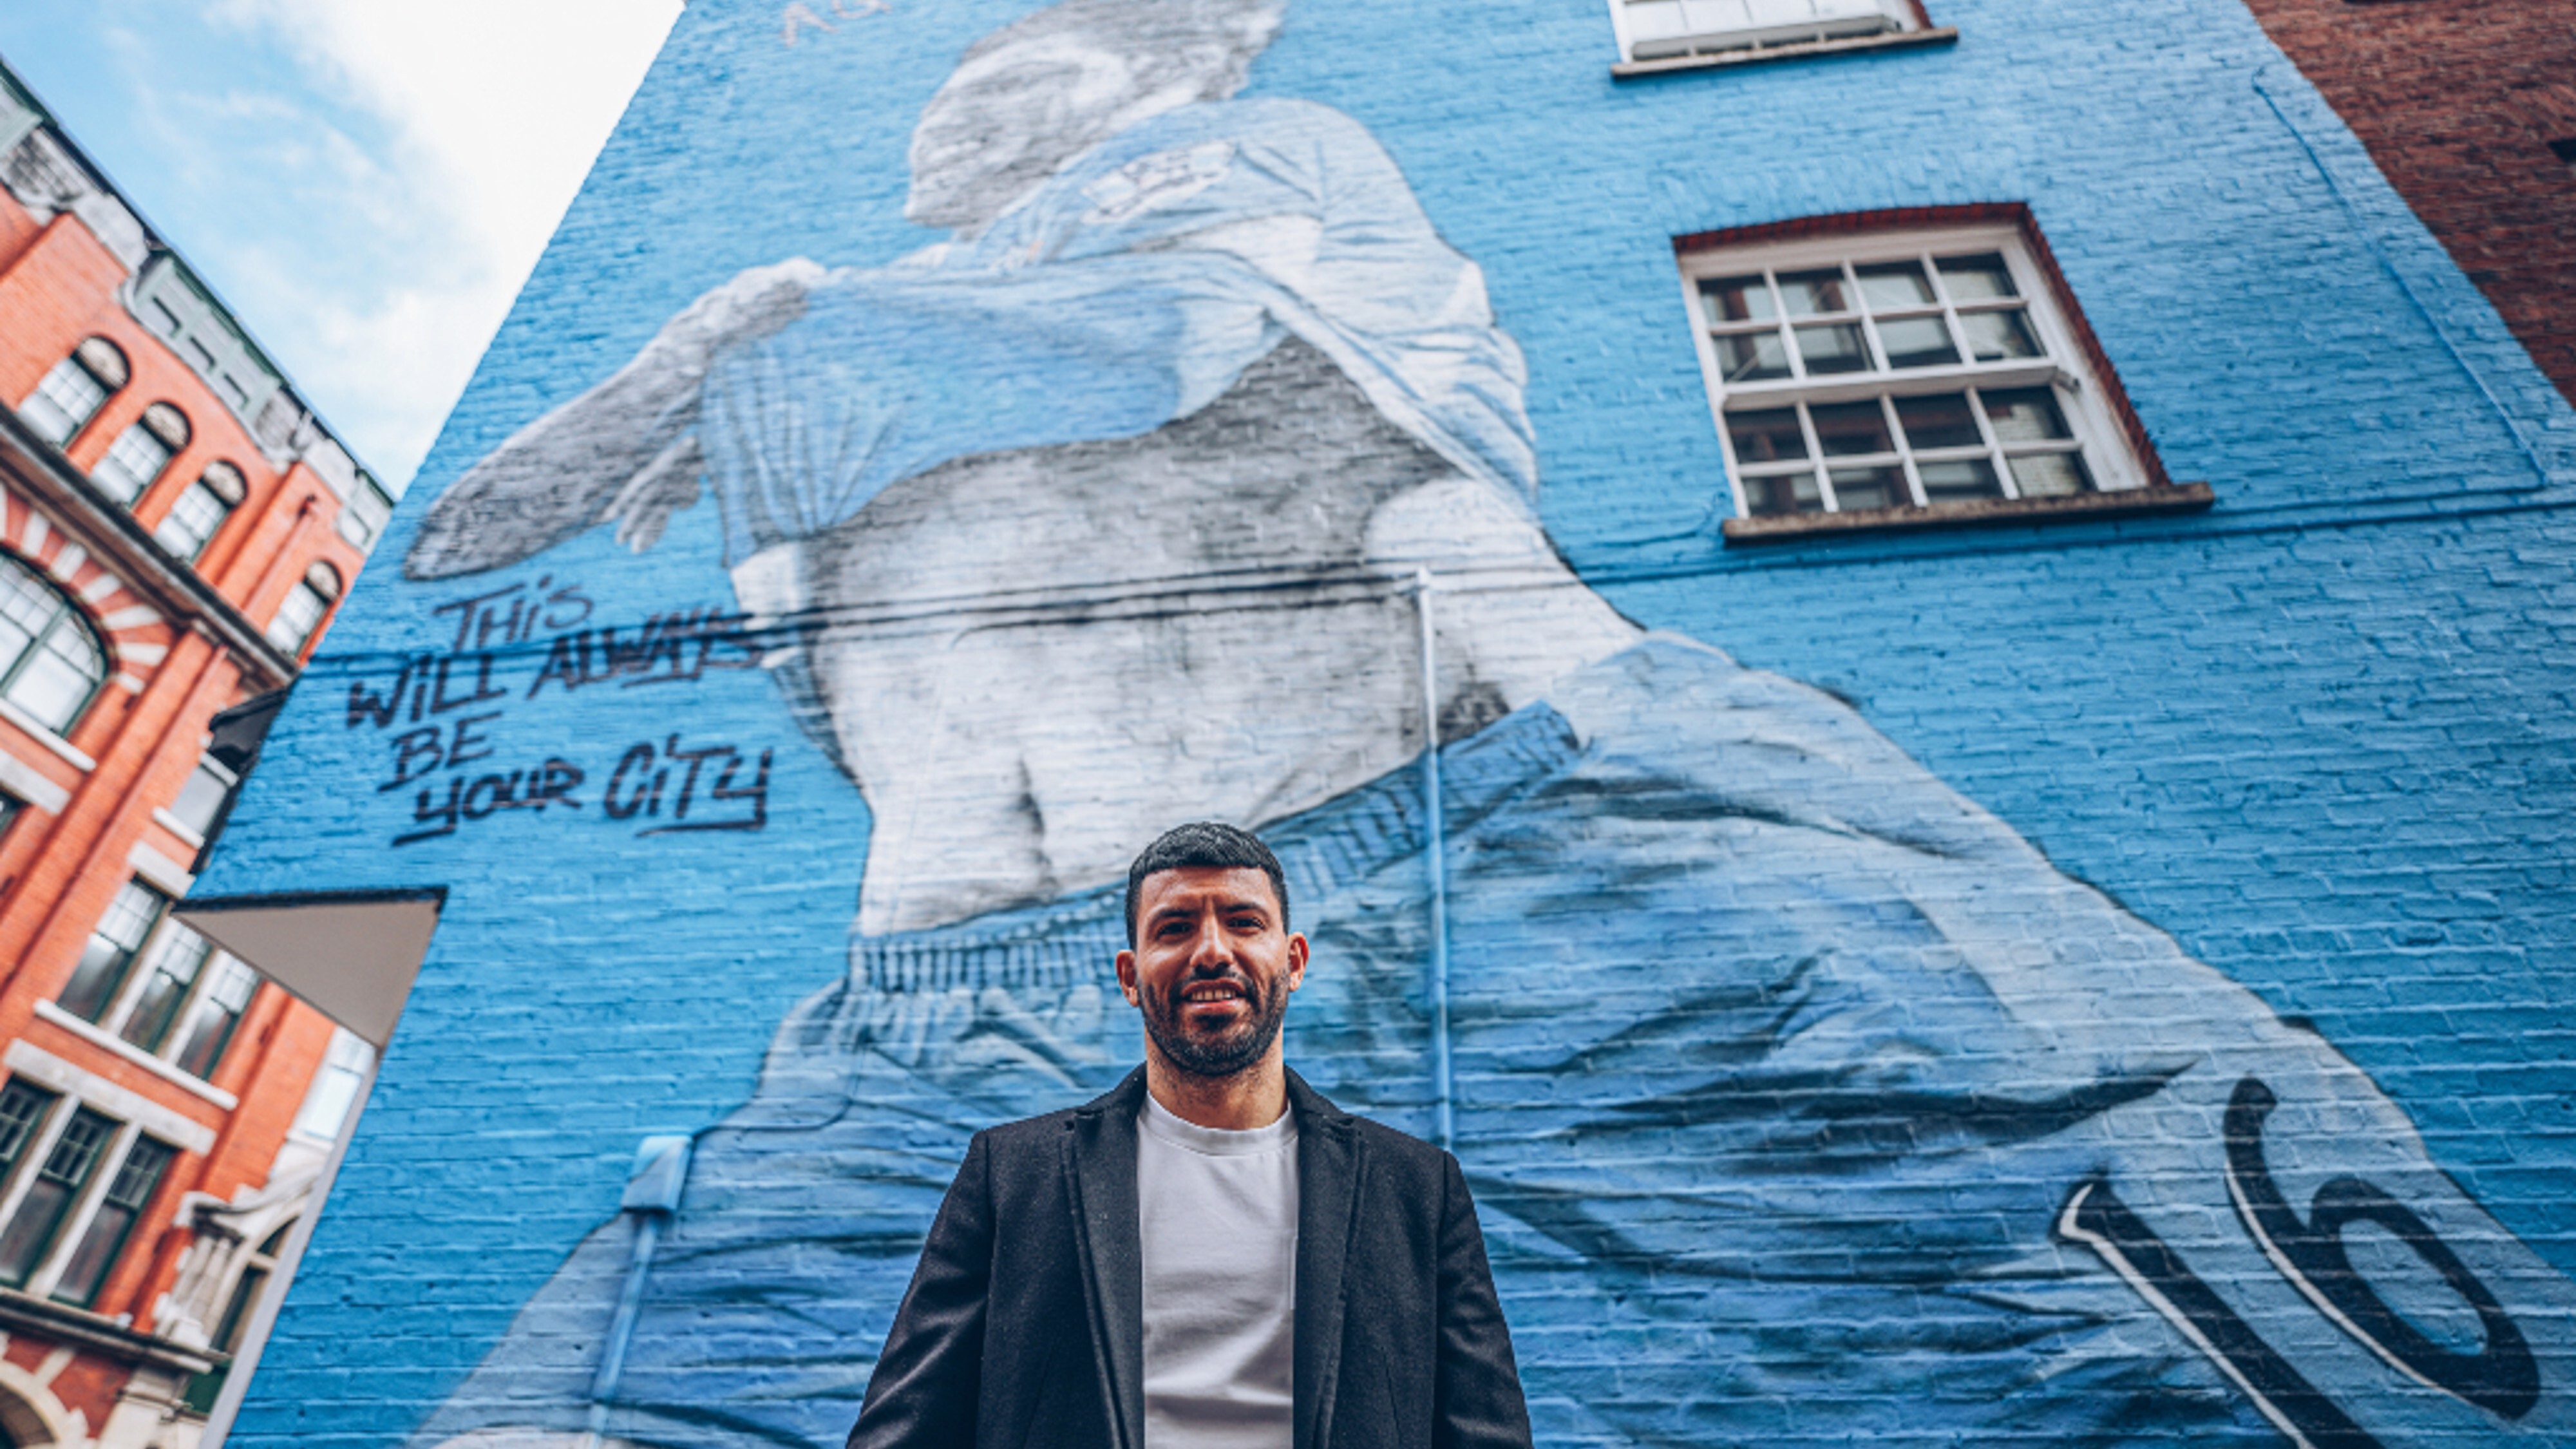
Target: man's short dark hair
column 1203, row 845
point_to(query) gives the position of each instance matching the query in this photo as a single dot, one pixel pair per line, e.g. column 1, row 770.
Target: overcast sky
column 366, row 181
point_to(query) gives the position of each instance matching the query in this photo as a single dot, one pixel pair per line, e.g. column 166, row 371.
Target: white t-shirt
column 1218, row 1222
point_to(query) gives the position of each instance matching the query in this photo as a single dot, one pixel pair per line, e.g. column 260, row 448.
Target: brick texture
column 2459, row 103
column 2277, row 791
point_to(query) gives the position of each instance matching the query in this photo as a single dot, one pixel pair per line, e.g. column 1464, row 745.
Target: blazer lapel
column 1329, row 1170
column 1101, row 1170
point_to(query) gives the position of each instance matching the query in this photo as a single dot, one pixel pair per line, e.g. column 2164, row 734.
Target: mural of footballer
column 1806, row 1101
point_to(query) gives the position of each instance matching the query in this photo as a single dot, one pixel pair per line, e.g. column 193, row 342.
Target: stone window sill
column 1755, row 55
column 1985, row 513
column 61, row 748
column 119, row 1047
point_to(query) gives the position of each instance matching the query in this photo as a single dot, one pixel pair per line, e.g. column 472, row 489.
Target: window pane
column 1994, row 336
column 1962, row 479
column 1752, row 356
column 126, row 1195
column 1917, row 342
column 1837, row 347
column 1806, row 293
column 1705, row 17
column 335, row 1089
column 22, row 1109
column 54, row 682
column 176, row 959
column 62, row 401
column 95, row 979
column 2050, row 475
column 1974, row 278
column 1789, row 493
column 65, row 1172
column 50, row 664
column 1654, row 19
column 1895, row 286
column 1940, row 420
column 192, row 522
column 201, row 799
column 25, row 601
column 1769, row 435
column 2025, row 414
column 296, row 618
column 132, row 462
column 14, row 640
column 1738, row 299
column 1843, row 429
column 219, row 1011
column 130, row 917
column 1871, row 488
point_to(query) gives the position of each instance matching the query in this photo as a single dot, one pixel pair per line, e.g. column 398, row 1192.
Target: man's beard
column 1226, row 1054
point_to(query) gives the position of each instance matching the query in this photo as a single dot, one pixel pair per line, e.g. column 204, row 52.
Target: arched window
column 305, row 604
column 51, row 663
column 70, row 395
column 140, row 453
column 199, row 514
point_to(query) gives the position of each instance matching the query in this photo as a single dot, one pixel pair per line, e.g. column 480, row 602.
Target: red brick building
column 175, row 530
column 2470, row 110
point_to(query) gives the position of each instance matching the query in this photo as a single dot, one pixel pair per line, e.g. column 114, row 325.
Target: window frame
column 2113, row 448
column 171, row 519
column 67, row 609
column 224, row 776
column 114, row 486
column 70, row 366
column 111, row 999
column 71, row 1246
column 1900, row 17
column 72, row 1213
column 351, row 1060
column 221, row 968
column 38, row 1129
column 301, row 589
column 214, row 970
column 171, row 942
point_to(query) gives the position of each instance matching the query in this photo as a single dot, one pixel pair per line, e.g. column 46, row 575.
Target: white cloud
column 493, row 110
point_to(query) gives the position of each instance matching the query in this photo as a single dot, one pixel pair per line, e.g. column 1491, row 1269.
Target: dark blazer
column 1025, row 1326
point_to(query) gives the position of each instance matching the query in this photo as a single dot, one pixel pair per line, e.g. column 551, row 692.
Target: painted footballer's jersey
column 1795, row 1090
column 1131, row 289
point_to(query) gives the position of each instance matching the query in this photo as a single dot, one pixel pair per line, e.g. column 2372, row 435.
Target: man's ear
column 1296, row 961
column 1127, row 977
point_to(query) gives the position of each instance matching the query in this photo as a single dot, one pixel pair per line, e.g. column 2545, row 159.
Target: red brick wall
column 59, row 284
column 2458, row 101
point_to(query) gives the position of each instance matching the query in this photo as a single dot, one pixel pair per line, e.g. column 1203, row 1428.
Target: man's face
column 1213, row 967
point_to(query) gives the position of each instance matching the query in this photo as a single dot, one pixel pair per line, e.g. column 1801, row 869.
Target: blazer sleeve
column 927, row 1381
column 1479, row 1393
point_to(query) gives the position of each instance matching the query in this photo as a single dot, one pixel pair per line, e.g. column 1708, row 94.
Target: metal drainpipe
column 1435, row 859
column 653, row 1195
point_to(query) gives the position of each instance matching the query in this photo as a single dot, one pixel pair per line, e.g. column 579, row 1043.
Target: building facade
column 1908, row 662
column 2470, row 111
column 175, row 528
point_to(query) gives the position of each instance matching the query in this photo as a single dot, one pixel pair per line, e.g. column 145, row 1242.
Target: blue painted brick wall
column 2321, row 734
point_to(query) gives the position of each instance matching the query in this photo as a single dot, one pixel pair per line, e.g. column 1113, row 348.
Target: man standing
column 1212, row 1255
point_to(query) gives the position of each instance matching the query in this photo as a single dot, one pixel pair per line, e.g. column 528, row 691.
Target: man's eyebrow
column 1235, row 906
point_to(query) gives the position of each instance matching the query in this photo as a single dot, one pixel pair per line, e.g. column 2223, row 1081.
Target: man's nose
column 1211, row 947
